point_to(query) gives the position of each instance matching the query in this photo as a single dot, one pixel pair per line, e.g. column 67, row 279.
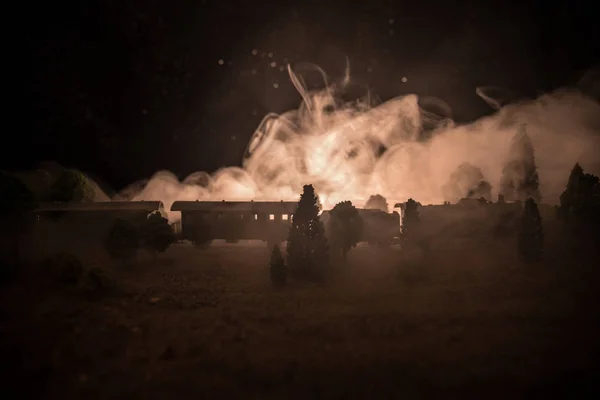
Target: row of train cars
column 204, row 221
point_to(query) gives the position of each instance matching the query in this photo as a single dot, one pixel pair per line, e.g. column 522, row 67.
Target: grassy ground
column 208, row 324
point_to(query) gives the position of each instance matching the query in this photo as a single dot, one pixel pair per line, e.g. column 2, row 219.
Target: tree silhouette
column 344, row 228
column 467, row 181
column 412, row 232
column 307, row 248
column 531, row 233
column 156, row 233
column 377, row 202
column 580, row 203
column 71, row 185
column 520, row 179
column 411, row 218
column 277, row 267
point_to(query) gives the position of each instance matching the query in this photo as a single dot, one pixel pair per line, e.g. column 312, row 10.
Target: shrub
column 157, row 235
column 345, row 228
column 377, row 202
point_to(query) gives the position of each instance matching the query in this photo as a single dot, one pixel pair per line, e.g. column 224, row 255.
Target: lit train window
column 255, row 216
column 284, row 217
column 272, row 217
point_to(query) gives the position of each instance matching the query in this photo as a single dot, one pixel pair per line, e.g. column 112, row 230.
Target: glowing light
column 270, row 55
column 336, row 146
column 273, row 64
column 221, row 61
column 391, row 21
column 254, row 52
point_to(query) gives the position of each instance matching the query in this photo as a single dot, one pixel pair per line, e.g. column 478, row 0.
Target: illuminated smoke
column 400, row 148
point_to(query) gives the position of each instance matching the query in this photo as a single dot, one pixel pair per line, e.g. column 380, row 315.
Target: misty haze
column 378, row 210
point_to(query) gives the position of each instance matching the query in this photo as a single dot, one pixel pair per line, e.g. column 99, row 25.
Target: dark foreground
column 208, row 324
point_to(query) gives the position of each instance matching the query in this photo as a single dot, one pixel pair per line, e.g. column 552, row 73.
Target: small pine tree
column 156, row 233
column 520, row 179
column 277, row 267
column 344, row 228
column 122, row 240
column 580, row 207
column 531, row 233
column 307, row 248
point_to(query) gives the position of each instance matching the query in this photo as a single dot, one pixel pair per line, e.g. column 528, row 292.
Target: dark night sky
column 121, row 89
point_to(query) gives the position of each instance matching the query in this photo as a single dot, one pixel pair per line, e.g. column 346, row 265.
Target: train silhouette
column 205, row 221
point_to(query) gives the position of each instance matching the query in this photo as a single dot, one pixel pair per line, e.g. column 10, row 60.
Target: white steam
column 350, row 150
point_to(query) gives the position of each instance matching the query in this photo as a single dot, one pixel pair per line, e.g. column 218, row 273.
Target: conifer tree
column 580, row 204
column 307, row 248
column 520, row 179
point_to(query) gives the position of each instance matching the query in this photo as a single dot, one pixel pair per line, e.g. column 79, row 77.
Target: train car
column 379, row 227
column 204, row 221
column 92, row 219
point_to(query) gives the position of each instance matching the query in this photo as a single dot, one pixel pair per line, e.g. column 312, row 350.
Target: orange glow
column 336, row 147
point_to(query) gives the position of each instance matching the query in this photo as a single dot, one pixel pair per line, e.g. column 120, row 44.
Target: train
column 232, row 221
column 205, row 221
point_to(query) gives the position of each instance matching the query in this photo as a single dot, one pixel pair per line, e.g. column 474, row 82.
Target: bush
column 71, row 185
column 344, row 229
column 64, row 268
column 157, row 234
column 277, row 267
column 122, row 240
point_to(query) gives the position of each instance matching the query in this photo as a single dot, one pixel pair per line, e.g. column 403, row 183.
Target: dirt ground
column 207, row 324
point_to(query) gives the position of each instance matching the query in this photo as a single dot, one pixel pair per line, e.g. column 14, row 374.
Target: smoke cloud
column 401, row 148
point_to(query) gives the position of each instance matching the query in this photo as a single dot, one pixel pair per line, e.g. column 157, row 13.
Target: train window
column 272, row 217
column 255, row 216
column 284, row 217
